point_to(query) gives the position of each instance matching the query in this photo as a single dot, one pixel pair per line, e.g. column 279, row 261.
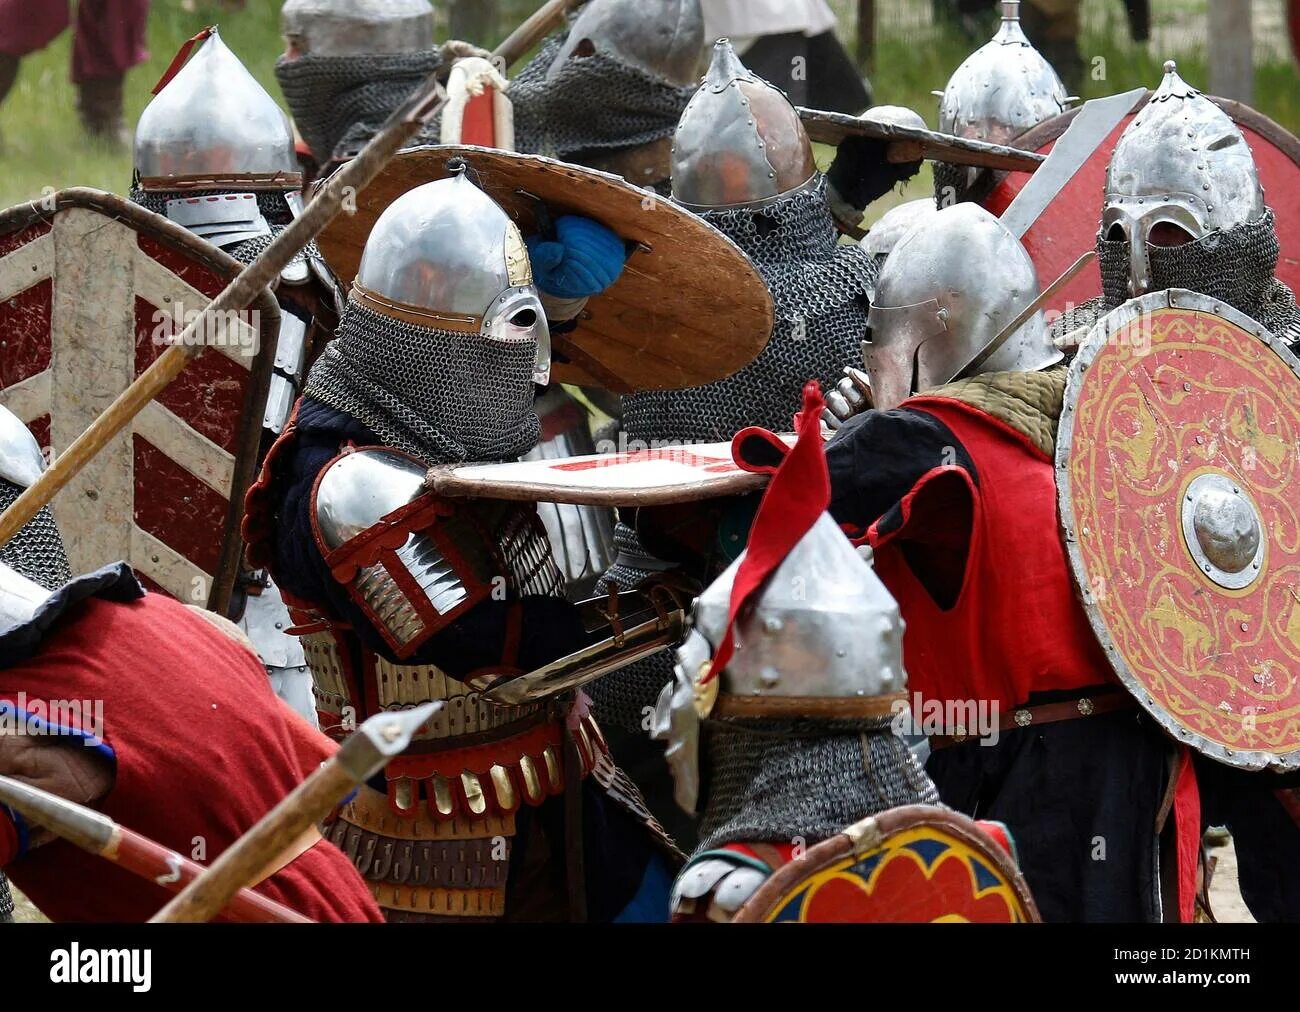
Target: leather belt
column 1044, row 713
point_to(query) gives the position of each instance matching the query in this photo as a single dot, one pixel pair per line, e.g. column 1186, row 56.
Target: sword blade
column 990, row 349
column 1082, row 137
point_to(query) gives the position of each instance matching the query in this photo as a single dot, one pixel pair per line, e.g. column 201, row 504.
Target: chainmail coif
column 340, row 102
column 777, row 780
column 1235, row 265
column 821, row 290
column 275, row 209
column 594, row 102
column 441, row 395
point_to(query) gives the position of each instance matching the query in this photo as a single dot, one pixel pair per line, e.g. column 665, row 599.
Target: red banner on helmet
column 799, row 493
column 181, row 56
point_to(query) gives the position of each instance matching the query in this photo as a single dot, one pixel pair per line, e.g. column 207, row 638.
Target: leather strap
column 1047, row 713
column 807, row 706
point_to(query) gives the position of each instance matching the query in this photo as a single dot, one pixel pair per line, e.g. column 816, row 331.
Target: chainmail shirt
column 36, row 551
column 777, row 780
column 340, row 102
column 441, row 395
column 594, row 102
column 821, row 291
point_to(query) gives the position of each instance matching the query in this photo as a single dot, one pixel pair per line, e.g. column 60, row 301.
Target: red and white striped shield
column 92, row 288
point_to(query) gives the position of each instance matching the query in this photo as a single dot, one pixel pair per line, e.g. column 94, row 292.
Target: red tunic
column 1016, row 626
column 203, row 750
column 110, row 33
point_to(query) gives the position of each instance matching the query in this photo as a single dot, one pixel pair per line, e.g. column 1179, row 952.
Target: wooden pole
column 1231, row 45
column 97, row 834
column 536, row 27
column 340, row 190
column 379, row 739
column 867, row 35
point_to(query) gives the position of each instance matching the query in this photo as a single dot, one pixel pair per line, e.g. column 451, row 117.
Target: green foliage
column 42, row 146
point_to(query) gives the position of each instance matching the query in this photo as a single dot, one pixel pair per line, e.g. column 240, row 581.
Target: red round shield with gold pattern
column 1176, row 463
column 912, row 864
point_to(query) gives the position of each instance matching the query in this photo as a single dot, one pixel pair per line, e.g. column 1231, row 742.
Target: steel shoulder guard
column 413, row 562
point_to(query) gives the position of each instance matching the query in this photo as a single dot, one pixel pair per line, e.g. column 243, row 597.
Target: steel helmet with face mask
column 947, row 289
column 1181, row 172
column 445, row 255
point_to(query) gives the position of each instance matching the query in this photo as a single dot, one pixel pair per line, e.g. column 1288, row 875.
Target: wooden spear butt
column 150, row 860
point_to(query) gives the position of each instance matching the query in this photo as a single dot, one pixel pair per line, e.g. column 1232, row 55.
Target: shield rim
column 180, row 240
column 1096, row 341
column 874, row 830
column 751, row 300
column 1243, row 115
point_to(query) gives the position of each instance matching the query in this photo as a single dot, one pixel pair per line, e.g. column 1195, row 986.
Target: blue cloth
column 653, row 897
column 583, row 259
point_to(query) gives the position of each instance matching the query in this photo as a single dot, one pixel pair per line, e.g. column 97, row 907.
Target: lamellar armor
column 582, row 536
column 743, row 161
column 1184, row 208
column 1000, row 91
column 439, row 348
column 214, row 153
column 608, row 91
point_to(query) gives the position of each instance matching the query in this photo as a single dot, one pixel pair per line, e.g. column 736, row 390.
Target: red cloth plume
column 181, row 56
column 796, row 497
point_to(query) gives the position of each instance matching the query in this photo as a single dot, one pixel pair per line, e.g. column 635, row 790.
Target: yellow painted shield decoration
column 1177, row 466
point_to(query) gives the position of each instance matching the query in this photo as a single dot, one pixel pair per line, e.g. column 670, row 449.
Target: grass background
column 42, row 146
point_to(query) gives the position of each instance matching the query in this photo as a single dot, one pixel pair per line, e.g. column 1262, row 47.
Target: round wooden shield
column 1177, row 464
column 690, row 308
column 1068, row 227
column 914, row 864
column 912, row 143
